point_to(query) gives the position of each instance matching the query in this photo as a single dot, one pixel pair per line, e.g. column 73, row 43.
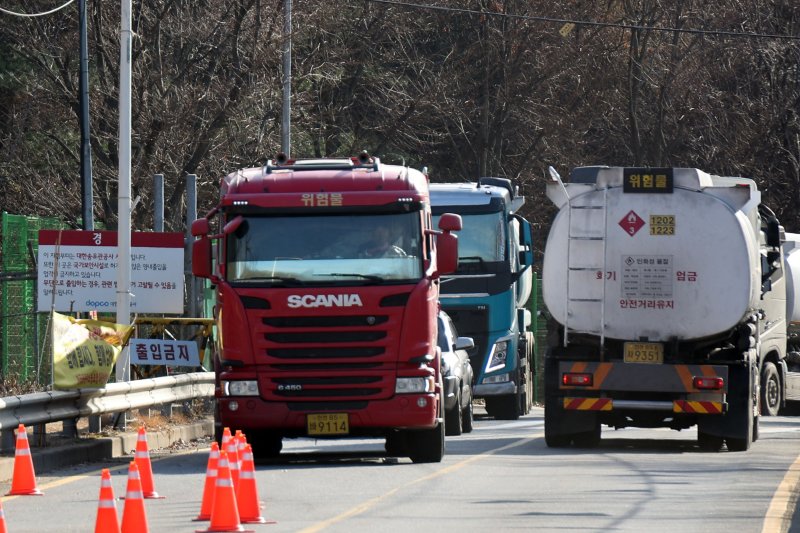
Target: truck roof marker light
column 576, row 379
column 241, row 202
column 706, row 383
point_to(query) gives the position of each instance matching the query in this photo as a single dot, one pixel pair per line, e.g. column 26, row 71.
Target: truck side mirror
column 450, row 222
column 201, row 256
column 447, row 252
column 525, row 242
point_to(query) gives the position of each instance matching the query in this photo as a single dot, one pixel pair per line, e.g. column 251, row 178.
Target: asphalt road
column 501, row 477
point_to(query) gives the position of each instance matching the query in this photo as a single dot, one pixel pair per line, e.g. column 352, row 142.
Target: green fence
column 22, row 329
column 539, row 328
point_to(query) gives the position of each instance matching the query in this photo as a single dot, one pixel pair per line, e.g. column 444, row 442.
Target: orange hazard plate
column 322, row 424
column 644, row 352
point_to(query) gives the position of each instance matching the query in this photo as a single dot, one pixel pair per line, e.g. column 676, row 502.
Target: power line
column 578, row 22
column 30, row 15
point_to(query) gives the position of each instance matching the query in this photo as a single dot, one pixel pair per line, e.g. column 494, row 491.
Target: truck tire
column 770, row 390
column 468, row 418
column 453, row 419
column 426, row 446
column 504, row 407
column 588, row 439
column 266, row 444
column 397, row 444
column 552, row 436
column 741, row 408
column 708, row 442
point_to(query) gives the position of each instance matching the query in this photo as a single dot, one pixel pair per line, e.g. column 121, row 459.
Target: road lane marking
column 369, row 504
column 779, row 512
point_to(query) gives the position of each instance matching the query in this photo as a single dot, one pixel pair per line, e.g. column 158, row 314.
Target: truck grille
column 327, row 357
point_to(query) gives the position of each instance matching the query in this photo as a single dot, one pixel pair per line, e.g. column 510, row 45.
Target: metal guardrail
column 57, row 406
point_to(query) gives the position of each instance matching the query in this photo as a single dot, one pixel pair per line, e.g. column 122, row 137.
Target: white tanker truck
column 670, row 301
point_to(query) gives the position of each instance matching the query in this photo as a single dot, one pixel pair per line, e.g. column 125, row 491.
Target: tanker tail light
column 706, row 383
column 576, row 379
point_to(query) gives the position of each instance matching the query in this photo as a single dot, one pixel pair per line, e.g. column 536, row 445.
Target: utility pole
column 87, row 201
column 286, row 124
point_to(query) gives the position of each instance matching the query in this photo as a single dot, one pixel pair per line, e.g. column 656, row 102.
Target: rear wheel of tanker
column 741, row 407
column 770, row 390
column 266, row 444
column 588, row 439
column 552, row 412
column 709, row 443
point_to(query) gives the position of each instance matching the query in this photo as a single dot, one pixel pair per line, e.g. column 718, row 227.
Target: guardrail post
column 69, row 427
column 8, row 440
column 95, row 425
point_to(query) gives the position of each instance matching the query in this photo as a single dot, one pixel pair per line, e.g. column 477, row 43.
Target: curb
column 100, row 449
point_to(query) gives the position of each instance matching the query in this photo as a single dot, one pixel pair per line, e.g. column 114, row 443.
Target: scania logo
column 324, row 300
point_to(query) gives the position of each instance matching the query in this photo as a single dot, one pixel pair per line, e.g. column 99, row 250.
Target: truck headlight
column 414, row 385
column 497, row 359
column 240, row 388
column 499, row 378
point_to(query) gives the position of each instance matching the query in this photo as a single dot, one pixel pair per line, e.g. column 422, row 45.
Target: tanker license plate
column 328, row 424
column 644, row 352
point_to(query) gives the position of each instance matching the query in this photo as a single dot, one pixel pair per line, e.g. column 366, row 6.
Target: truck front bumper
column 377, row 416
column 495, row 389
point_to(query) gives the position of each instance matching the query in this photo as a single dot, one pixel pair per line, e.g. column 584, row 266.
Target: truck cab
column 486, row 295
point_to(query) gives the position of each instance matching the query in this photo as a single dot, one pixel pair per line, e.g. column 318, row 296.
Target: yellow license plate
column 644, row 352
column 328, row 424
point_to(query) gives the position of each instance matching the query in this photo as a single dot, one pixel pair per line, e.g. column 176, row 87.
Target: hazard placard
column 631, row 223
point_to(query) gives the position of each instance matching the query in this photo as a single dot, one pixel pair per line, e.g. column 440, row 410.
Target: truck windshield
column 481, row 238
column 326, row 249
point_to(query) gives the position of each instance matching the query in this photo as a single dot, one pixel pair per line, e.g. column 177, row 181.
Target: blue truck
column 486, row 296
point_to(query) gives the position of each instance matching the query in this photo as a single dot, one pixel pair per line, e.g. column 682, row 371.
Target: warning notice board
column 647, row 276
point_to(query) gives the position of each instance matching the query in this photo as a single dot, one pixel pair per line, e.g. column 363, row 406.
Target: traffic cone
column 233, row 461
column 224, row 512
column 134, row 519
column 247, row 494
column 107, row 520
column 211, row 480
column 142, row 458
column 3, row 528
column 24, row 481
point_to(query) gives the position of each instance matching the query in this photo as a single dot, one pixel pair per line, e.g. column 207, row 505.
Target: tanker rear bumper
column 637, row 394
column 374, row 418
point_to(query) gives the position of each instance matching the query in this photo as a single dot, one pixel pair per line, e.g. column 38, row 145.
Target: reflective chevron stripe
column 701, row 408
column 588, row 404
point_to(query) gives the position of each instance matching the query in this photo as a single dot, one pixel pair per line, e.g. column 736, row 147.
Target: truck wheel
column 266, row 444
column 770, row 390
column 709, row 443
column 741, row 392
column 552, row 437
column 396, row 444
column 467, row 418
column 588, row 439
column 453, row 419
column 426, row 446
column 504, row 407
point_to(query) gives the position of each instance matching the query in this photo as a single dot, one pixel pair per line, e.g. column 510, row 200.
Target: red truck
column 327, row 282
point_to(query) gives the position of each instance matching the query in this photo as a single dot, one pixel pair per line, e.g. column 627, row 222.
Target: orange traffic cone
column 224, row 513
column 247, row 493
column 24, row 481
column 107, row 520
column 233, row 461
column 134, row 519
column 3, row 528
column 211, row 480
column 142, row 459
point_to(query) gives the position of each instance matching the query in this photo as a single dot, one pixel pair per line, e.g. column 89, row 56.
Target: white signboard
column 164, row 352
column 78, row 271
column 647, row 276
